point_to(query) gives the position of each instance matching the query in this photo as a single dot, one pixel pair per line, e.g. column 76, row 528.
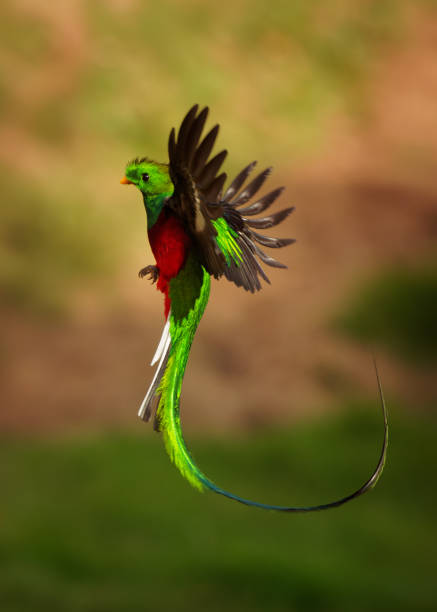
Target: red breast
column 170, row 245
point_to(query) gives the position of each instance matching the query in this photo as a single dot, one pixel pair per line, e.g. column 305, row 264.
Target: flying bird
column 198, row 229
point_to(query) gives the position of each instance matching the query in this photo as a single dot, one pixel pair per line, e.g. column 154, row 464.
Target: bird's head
column 151, row 178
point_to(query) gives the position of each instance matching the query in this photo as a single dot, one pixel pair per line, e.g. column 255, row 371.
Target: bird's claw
column 151, row 271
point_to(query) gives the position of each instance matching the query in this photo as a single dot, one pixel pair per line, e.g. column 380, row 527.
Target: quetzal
column 197, row 230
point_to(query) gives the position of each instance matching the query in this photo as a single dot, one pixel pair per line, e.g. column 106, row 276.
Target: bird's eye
column 145, row 177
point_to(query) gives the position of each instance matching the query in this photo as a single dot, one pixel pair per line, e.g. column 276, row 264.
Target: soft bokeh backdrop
column 279, row 399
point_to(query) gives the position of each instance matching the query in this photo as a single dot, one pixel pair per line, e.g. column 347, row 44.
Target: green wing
column 223, row 232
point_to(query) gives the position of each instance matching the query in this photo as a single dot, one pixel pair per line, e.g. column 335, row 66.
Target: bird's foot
column 151, row 271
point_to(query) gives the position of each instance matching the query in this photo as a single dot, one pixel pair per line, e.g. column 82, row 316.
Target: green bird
column 198, row 229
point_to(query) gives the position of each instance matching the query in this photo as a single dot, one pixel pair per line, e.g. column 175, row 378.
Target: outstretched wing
column 227, row 244
column 247, row 272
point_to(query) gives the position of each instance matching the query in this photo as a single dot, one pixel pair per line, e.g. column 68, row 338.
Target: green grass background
column 103, row 522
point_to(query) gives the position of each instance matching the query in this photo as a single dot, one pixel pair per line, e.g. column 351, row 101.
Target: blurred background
column 280, row 400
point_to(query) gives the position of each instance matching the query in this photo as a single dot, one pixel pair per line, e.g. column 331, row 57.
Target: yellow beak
column 125, row 181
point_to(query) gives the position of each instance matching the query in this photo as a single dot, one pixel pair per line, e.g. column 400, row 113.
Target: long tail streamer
column 168, row 417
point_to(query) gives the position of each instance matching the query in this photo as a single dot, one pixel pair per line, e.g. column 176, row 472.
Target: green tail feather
column 189, row 293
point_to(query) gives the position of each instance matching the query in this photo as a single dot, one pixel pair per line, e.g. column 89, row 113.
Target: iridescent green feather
column 226, row 239
column 189, row 293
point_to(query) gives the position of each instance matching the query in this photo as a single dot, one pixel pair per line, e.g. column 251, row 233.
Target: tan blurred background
column 339, row 97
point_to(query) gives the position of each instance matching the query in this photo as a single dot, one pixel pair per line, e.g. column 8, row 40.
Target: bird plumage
column 197, row 230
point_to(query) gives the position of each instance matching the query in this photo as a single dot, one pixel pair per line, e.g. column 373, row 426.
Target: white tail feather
column 161, row 353
column 162, row 343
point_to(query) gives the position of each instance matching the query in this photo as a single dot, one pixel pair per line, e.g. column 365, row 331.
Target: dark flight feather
column 270, row 221
column 198, row 201
column 238, row 182
column 262, row 204
column 249, row 191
